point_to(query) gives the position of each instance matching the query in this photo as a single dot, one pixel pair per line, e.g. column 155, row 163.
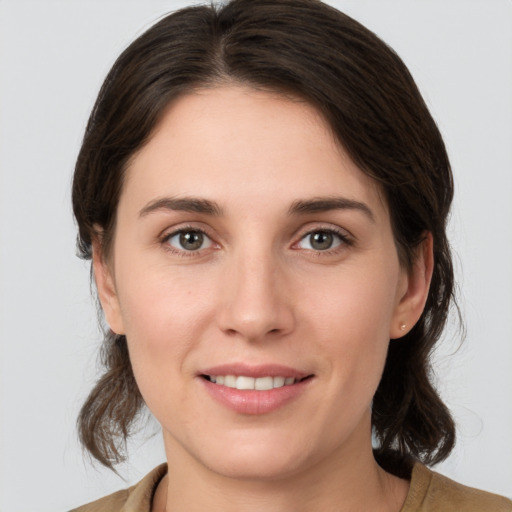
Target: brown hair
column 307, row 49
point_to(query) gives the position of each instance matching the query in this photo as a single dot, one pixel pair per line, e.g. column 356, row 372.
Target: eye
column 189, row 240
column 321, row 240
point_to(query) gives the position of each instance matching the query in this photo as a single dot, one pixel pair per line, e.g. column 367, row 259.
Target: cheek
column 350, row 320
column 353, row 303
column 164, row 314
column 160, row 297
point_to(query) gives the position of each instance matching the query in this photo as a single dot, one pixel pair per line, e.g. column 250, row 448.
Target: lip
column 252, row 402
column 263, row 370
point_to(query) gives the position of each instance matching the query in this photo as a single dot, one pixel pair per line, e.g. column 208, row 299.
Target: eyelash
column 345, row 241
column 183, row 253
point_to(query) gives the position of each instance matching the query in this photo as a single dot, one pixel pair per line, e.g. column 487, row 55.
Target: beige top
column 429, row 492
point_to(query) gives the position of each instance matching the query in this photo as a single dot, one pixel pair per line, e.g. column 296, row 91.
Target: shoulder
column 432, row 492
column 136, row 498
column 112, row 503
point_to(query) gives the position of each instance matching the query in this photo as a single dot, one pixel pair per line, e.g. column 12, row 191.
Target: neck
column 342, row 483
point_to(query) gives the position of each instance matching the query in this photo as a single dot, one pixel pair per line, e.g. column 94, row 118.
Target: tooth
column 243, row 382
column 278, row 382
column 230, row 381
column 263, row 383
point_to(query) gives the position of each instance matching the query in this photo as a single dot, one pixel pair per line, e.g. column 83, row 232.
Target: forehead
column 235, row 143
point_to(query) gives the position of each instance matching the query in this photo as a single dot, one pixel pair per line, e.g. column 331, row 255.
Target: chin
column 245, row 467
column 257, row 459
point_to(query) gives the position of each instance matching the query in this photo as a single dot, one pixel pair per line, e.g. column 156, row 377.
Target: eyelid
column 347, row 239
column 185, row 226
column 205, row 240
column 331, row 228
column 169, row 233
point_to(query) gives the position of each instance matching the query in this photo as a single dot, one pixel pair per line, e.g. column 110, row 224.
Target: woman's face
column 250, row 250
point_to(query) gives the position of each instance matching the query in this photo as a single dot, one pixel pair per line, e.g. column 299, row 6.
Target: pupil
column 191, row 240
column 321, row 240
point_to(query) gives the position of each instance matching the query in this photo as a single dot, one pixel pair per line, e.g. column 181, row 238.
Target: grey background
column 53, row 57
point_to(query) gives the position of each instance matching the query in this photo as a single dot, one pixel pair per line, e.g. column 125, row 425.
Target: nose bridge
column 255, row 300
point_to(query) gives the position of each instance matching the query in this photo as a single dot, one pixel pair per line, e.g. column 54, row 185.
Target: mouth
column 246, row 382
column 255, row 389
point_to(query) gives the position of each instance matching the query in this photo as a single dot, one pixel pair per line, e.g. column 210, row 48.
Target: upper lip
column 262, row 370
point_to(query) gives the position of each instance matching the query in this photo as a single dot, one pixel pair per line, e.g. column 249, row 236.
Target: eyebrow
column 207, row 207
column 325, row 204
column 184, row 204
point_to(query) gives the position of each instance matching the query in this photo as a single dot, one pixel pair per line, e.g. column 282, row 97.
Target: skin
column 259, row 291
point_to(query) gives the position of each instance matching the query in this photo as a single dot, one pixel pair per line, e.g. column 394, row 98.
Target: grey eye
column 189, row 240
column 320, row 240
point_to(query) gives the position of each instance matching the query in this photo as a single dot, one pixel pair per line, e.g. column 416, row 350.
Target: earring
column 403, row 327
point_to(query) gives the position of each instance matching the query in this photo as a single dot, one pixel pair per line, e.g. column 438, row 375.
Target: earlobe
column 103, row 276
column 414, row 294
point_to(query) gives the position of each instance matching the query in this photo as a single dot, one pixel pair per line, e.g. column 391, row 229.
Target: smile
column 244, row 382
column 259, row 393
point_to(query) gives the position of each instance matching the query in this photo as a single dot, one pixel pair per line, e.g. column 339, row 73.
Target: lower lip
column 255, row 402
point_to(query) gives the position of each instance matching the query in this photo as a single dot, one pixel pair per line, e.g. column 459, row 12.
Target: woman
column 264, row 197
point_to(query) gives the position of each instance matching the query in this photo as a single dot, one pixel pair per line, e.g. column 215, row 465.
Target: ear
column 105, row 283
column 413, row 291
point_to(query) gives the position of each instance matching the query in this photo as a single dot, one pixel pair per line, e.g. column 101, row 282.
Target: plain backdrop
column 53, row 57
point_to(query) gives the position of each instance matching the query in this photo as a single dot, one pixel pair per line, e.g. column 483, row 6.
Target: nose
column 256, row 303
